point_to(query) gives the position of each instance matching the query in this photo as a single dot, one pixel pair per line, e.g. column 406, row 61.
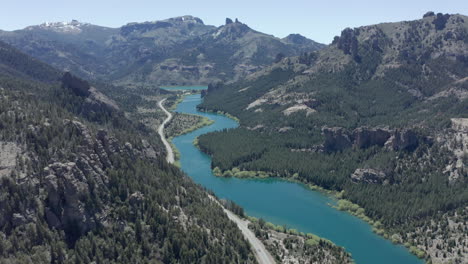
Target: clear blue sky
column 318, row 20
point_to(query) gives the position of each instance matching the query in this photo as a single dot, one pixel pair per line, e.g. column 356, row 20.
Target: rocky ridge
column 174, row 51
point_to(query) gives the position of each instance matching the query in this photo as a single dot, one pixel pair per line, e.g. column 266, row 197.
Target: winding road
column 170, row 152
column 261, row 253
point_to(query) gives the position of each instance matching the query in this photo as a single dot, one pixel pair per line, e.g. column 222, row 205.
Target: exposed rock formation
column 8, row 153
column 297, row 108
column 69, row 187
column 68, row 190
column 366, row 137
column 455, row 139
column 405, row 139
column 348, row 42
column 368, row 176
column 338, row 139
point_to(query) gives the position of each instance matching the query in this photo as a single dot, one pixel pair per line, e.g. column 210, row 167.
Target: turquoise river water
column 285, row 203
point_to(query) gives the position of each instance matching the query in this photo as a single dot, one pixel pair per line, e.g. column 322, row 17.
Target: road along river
column 261, row 253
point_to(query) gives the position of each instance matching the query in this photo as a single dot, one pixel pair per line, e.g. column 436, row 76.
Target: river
column 285, row 203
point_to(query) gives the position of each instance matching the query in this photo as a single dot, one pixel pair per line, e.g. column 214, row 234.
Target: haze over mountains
column 175, row 51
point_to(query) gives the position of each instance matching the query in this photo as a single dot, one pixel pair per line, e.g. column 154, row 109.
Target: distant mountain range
column 175, row 51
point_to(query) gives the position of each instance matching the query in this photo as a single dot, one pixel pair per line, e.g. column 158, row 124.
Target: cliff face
column 73, row 184
column 338, row 139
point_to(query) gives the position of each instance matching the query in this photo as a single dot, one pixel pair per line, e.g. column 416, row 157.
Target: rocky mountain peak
column 232, row 29
column 170, row 25
column 432, row 36
column 185, row 19
column 73, row 26
column 296, row 39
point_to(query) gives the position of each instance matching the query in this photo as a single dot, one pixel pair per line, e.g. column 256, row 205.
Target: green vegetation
column 235, row 172
column 184, row 123
column 369, row 77
column 290, row 244
column 251, row 151
column 76, row 158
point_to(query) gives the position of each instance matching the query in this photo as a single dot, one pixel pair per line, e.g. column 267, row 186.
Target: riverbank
column 173, row 154
column 185, row 123
column 259, row 250
column 220, row 113
column 292, row 246
column 283, row 202
column 341, row 203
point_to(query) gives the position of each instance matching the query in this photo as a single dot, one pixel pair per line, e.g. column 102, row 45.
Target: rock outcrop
column 405, row 139
column 338, row 139
column 71, row 186
column 366, row 137
column 8, row 153
column 368, row 176
column 68, row 191
column 455, row 140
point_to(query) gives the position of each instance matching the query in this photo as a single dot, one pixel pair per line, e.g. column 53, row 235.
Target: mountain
column 181, row 50
column 73, row 46
column 380, row 116
column 405, row 66
column 81, row 183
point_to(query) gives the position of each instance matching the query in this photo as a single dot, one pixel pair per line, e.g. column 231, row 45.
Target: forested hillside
column 80, row 183
column 380, row 116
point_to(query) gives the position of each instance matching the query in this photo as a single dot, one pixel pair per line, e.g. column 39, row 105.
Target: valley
column 282, row 203
column 176, row 141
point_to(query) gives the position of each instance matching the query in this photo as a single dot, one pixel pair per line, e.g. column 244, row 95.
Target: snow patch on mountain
column 63, row 27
